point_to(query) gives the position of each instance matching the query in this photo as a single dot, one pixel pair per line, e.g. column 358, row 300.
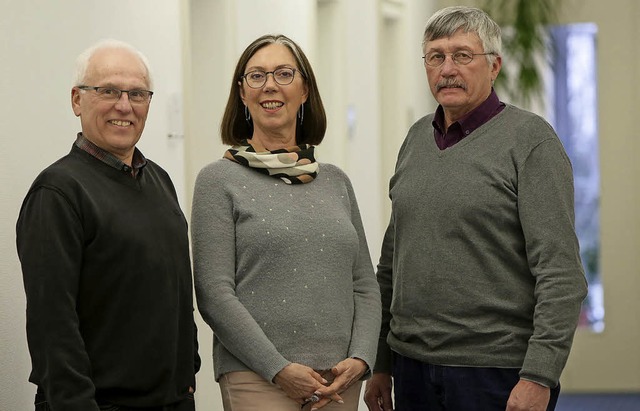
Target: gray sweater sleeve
column 546, row 209
column 213, row 238
column 366, row 323
column 384, row 274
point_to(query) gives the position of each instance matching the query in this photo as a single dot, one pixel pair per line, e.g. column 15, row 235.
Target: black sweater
column 105, row 261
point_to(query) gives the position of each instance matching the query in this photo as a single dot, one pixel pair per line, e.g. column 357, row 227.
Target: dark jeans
column 188, row 404
column 420, row 386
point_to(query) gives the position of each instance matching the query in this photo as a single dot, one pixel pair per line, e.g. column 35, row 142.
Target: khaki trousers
column 247, row 391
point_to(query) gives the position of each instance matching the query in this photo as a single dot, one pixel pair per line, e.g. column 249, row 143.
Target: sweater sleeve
column 384, row 273
column 50, row 245
column 546, row 209
column 214, row 251
column 366, row 322
column 384, row 276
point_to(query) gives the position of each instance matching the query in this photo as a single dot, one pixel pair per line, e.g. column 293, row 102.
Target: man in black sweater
column 105, row 257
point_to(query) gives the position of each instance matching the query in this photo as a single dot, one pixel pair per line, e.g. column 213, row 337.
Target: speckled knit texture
column 282, row 272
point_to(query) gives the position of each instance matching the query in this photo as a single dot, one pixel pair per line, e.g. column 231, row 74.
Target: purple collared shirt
column 465, row 126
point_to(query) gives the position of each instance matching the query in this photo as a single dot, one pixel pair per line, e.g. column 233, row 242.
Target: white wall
column 40, row 41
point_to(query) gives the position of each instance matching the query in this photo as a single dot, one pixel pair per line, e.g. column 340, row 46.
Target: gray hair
column 445, row 22
column 82, row 62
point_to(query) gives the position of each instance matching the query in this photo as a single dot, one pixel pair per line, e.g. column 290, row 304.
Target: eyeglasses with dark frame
column 113, row 94
column 258, row 78
column 436, row 58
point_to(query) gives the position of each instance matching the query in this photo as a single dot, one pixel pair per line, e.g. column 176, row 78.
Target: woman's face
column 274, row 106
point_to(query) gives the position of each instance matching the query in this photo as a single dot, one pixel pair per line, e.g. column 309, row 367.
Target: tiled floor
column 599, row 402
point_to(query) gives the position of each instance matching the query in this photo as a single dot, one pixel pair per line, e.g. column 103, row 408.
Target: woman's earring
column 301, row 113
column 247, row 114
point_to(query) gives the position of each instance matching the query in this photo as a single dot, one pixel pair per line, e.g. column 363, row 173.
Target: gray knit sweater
column 480, row 264
column 282, row 272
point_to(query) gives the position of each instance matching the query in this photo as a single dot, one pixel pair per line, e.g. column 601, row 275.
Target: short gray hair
column 445, row 22
column 82, row 61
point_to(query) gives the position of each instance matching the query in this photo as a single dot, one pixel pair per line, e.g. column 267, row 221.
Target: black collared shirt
column 466, row 125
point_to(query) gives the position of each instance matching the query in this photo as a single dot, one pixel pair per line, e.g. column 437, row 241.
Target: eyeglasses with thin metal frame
column 137, row 96
column 258, row 78
column 436, row 59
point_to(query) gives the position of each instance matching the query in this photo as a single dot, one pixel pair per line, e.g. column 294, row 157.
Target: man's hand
column 377, row 394
column 528, row 396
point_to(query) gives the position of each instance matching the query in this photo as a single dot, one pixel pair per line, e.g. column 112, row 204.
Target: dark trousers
column 420, row 386
column 188, row 404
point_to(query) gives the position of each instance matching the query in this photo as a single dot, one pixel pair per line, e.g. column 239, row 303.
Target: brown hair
column 235, row 128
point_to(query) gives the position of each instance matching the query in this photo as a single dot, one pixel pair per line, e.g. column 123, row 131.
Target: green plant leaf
column 525, row 29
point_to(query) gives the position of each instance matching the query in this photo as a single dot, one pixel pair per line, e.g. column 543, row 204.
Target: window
column 574, row 115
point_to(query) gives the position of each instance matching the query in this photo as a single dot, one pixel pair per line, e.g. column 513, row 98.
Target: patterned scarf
column 294, row 165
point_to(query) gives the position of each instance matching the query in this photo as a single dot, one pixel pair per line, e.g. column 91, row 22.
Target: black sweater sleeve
column 50, row 242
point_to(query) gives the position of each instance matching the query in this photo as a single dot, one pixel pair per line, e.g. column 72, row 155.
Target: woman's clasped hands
column 305, row 385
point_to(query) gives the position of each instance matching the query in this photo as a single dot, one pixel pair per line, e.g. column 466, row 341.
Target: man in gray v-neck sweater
column 480, row 273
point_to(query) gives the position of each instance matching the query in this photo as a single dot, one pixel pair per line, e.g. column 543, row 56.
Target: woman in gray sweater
column 282, row 270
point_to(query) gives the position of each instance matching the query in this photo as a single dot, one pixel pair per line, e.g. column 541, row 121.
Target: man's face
column 460, row 88
column 114, row 126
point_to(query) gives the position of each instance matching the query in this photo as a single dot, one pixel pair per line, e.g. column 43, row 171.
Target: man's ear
column 495, row 69
column 75, row 101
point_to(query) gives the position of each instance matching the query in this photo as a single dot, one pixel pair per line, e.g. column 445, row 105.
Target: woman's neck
column 272, row 141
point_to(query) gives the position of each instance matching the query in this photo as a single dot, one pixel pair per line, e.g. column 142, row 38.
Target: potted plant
column 525, row 31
